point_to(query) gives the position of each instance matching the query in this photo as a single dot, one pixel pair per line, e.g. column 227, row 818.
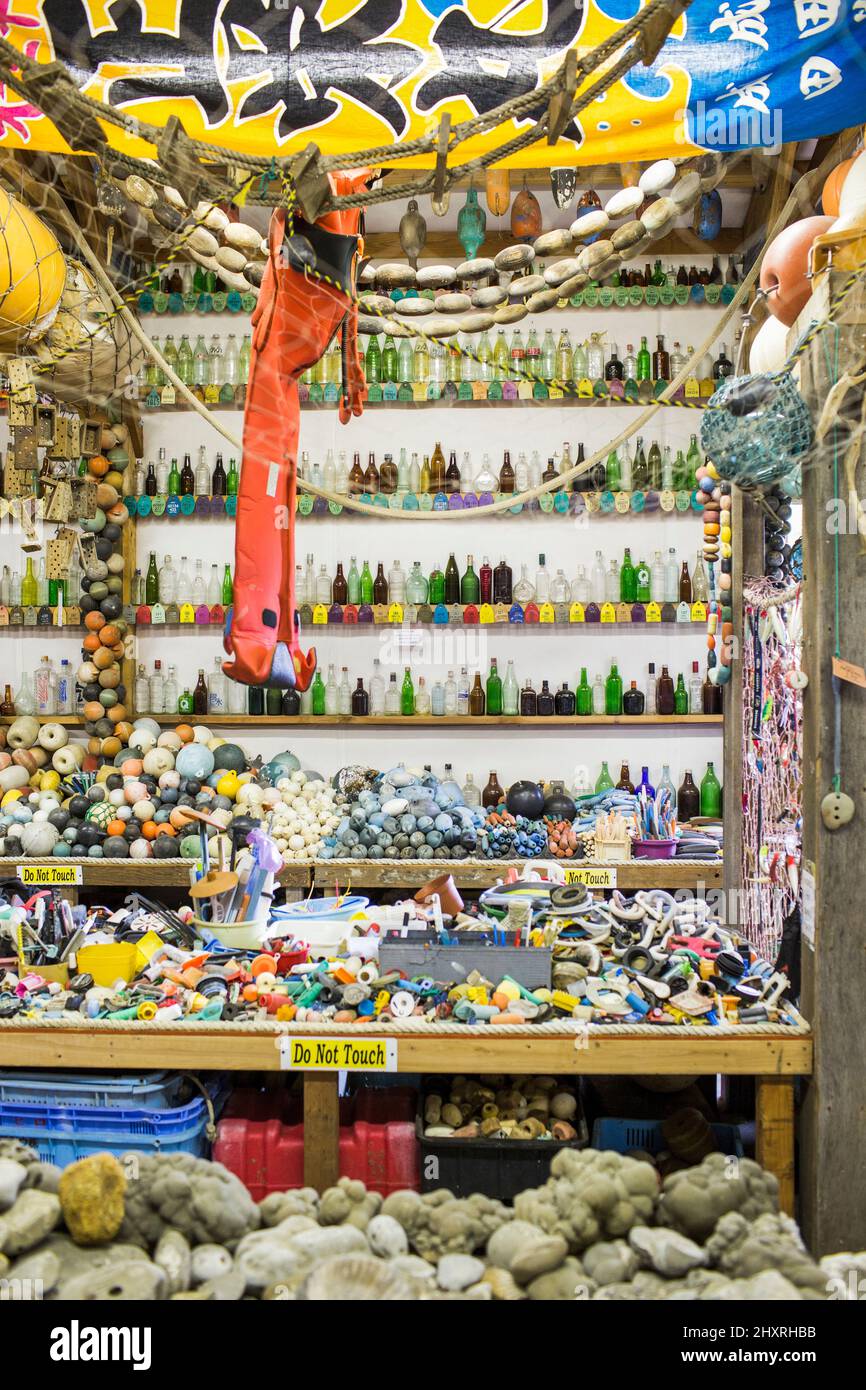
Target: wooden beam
column 774, row 1133
column 321, row 1129
column 833, row 1128
column 765, row 207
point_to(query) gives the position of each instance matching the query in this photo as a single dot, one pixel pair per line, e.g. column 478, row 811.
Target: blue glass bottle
column 644, row 783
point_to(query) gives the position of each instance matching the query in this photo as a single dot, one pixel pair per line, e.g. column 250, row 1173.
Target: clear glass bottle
column 450, row 694
column 156, row 697
column 377, row 689
column 392, row 695
column 332, row 697
column 141, row 691
column 598, row 694
column 344, row 694
column 471, row 793
column 523, row 591
column 422, row 697
column 463, row 692
column 170, row 689
column 397, row 583
column 44, row 687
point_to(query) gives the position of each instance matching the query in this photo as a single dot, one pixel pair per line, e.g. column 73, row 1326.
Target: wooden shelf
column 447, row 721
column 145, row 874
column 567, row 402
column 484, row 873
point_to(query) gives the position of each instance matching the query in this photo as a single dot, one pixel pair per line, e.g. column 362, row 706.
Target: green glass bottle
column 228, row 590
column 644, row 582
column 681, row 471
column 613, row 472
column 604, row 782
column 186, row 702
column 151, row 582
column 613, row 692
column 627, row 579
column 173, row 479
column 366, row 584
column 639, row 468
column 452, row 580
column 407, row 694
column 693, row 462
column 436, row 586
column 711, row 793
column 30, row 587
column 353, row 583
column 644, row 365
column 390, row 368
column 654, row 466
column 373, row 361
column 494, row 690
column 232, row 479
column 318, row 693
column 681, row 696
column 584, row 694
column 470, row 589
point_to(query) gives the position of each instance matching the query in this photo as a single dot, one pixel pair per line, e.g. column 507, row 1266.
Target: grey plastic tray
column 420, row 953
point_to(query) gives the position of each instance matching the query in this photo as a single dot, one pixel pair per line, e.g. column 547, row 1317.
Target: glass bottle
column 469, row 586
column 323, row 586
column 666, row 784
column 700, row 581
column 371, row 476
column 613, row 472
column 614, row 368
column 424, row 476
column 546, row 704
column 380, row 586
column 613, row 692
column 612, row 588
column 332, row 693
column 436, row 586
column 185, row 702
column 187, row 478
column 643, row 584
column 339, row 588
column 665, row 702
column 407, row 694
column 360, row 699
column 506, row 474
column 232, row 479
column 681, row 696
column 227, row 592
column 150, row 481
column 216, row 688
column 651, row 689
column 671, row 590
column 502, row 585
column 604, row 781
column 644, row 784
column 510, row 691
column 151, row 582
column 438, row 469
column 695, row 690
column 477, row 700
column 661, row 363
column 214, row 587
column 654, row 466
column 633, row 701
column 463, row 692
column 29, row 585
column 627, row 579
column 156, row 699
column 722, row 367
column 542, row 581
column 373, row 361
column 711, row 696
column 452, row 580
column 387, row 476
column 688, row 798
column 685, row 584
column 377, row 689
column 366, row 584
column 65, row 683
column 141, row 690
column 494, row 689
column 353, row 582
column 492, row 794
column 711, row 793
column 583, row 696
column 356, row 477
column 450, row 694
column 471, row 794
column 416, row 585
column 485, row 582
column 200, row 695
column 564, row 701
column 344, row 694
column 528, row 701
column 318, row 689
column 523, row 591
column 644, row 365
column 625, row 783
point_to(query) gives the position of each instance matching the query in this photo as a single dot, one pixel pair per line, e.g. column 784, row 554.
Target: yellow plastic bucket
column 108, row 963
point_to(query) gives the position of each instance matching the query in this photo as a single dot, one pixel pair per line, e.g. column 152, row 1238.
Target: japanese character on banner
column 754, row 95
column 814, row 16
column 817, row 76
column 745, row 22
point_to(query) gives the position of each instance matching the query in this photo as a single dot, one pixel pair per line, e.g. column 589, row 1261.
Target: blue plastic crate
column 624, row 1135
column 155, row 1090
column 62, row 1134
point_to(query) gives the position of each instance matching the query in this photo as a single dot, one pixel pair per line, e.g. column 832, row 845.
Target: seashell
column 588, row 223
column 540, row 301
column 231, row 259
column 440, row 326
column 203, row 241
column 686, row 190
column 658, row 176
column 628, row 235
column 625, row 201
column 573, row 284
column 243, row 237
column 453, row 303
column 488, row 296
column 514, row 258
column 167, row 216
column 551, row 243
column 379, row 303
column 475, row 269
column 593, row 255
column 477, row 322
column 522, row 286
column 394, row 276
column 213, row 218
column 355, row 1279
column 510, row 313
column 253, row 274
column 659, row 214
column 561, row 271
column 173, row 198
column 430, row 277
column 140, row 191
column 412, row 308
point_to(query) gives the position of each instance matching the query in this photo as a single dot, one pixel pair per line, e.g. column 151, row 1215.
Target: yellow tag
column 622, row 502
column 419, row 391
column 653, row 613
column 546, row 613
column 524, row 390
column 486, row 614
column 623, row 613
column 576, row 613
column 320, row 614
column 584, row 387
column 479, row 390
column 380, row 614
column 699, row 612
column 555, row 393
column 608, row 613
column 50, row 875
column 593, row 877
column 395, row 613
column 167, row 395
column 187, row 613
column 338, row 1054
column 500, row 613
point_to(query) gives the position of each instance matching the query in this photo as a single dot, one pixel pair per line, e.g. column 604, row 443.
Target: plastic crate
column 154, row 1090
column 261, row 1139
column 495, row 1167
column 624, row 1135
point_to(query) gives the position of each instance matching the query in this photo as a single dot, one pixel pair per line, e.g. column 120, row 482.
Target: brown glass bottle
column 528, row 701
column 290, row 705
column 506, row 474
column 688, row 798
column 371, row 477
column 711, row 697
column 452, row 477
column 380, row 586
column 633, row 701
column 199, row 695
column 187, row 478
column 625, row 783
column 360, row 698
column 437, row 469
column 550, row 472
column 340, row 589
column 7, row 709
column 477, row 698
column 546, row 701
column 356, row 477
column 502, row 585
column 388, row 475
column 685, row 584
column 661, row 361
column 452, row 581
column 664, row 693
column 682, row 276
column 492, row 794
column 564, row 701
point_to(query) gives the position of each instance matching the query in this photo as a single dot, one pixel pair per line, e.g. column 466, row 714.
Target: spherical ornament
column 116, row 847
column 525, row 799
column 101, row 813
column 144, row 810
column 833, row 185
column 157, row 761
column 229, row 756
column 134, row 791
column 189, row 847
column 142, row 740
column 769, row 346
column 785, row 266
column 32, row 274
column 40, row 837
column 195, row 760
column 139, row 849
column 201, row 735
column 852, row 197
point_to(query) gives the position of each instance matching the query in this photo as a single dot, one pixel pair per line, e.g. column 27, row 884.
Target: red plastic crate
column 261, row 1138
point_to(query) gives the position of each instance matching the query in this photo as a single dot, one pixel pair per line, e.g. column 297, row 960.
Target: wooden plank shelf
column 568, row 402
column 446, row 721
column 475, row 873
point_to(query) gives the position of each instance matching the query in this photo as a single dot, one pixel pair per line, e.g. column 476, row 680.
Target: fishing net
column 89, row 351
column 756, row 429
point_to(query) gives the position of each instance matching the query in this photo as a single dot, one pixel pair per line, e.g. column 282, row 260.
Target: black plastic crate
column 496, row 1167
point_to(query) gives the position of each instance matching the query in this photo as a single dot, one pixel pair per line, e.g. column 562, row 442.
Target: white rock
column 12, row 1176
column 387, row 1237
column 666, row 1251
column 457, row 1272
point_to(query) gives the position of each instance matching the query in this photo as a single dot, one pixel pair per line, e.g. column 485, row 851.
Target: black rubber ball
column 91, row 690
column 111, row 531
column 86, row 603
column 59, row 819
column 132, row 831
column 165, row 847
column 89, row 834
column 116, row 847
column 112, row 606
column 78, row 806
column 114, row 782
column 104, row 548
column 192, row 787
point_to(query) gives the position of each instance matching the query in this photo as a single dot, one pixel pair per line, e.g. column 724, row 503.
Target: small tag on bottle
column 608, row 613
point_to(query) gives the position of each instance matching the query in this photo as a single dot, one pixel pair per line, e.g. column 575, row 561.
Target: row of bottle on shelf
column 664, row 581
column 689, row 799
column 167, row 585
column 461, row 694
column 34, row 589
column 217, row 373
column 436, row 363
column 653, row 468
